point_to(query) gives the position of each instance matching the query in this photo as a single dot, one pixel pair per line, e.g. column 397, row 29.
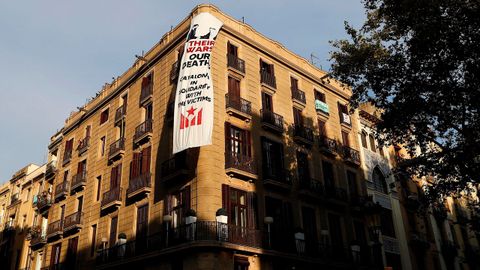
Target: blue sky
column 56, row 54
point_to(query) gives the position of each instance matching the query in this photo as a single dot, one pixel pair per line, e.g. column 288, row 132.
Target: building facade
column 289, row 182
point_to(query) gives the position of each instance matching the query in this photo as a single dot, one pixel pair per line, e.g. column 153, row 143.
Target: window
column 82, row 167
column 115, row 176
column 328, row 176
column 148, row 112
column 320, row 96
column 386, row 221
column 104, row 116
column 124, row 102
column 352, row 183
column 364, row 139
column 140, row 164
column 65, row 176
column 55, row 255
column 272, row 154
column 282, row 234
column 113, row 231
column 372, row 142
column 267, row 104
column 121, row 130
column 67, row 154
column 320, row 102
column 99, row 187
column 345, row 139
column 177, row 204
column 303, row 168
column 240, row 206
column 297, row 117
column 238, row 141
column 233, row 90
column 71, row 257
column 343, row 113
column 79, row 204
column 379, row 182
column 240, row 263
column 142, row 227
column 102, row 144
column 321, row 128
column 28, row 194
column 266, row 68
column 232, row 49
column 310, row 227
column 94, row 239
column 267, row 74
column 293, row 83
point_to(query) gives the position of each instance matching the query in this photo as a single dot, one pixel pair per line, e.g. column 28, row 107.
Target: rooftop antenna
column 243, row 19
column 171, row 28
column 140, row 57
column 313, row 57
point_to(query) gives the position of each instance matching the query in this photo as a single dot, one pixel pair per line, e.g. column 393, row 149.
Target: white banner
column 193, row 116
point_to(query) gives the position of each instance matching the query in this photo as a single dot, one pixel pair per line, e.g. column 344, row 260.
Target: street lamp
column 268, row 221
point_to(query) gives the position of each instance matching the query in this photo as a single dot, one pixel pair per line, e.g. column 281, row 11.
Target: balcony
column 345, row 119
column 15, row 199
column 44, row 201
column 303, row 135
column 327, row 146
column 200, row 234
column 239, row 107
column 240, row 165
column 120, row 114
column 111, row 199
column 278, row 178
column 51, row 169
column 298, row 97
column 419, row 241
column 272, row 121
column 83, row 145
column 117, row 149
column 268, row 80
column 146, row 93
column 67, row 156
column 9, row 226
column 139, row 185
column 143, row 132
column 236, row 64
column 38, row 239
column 336, row 193
column 61, row 190
column 174, row 72
column 312, row 187
column 55, row 229
column 176, row 167
column 351, row 155
column 78, row 181
column 73, row 222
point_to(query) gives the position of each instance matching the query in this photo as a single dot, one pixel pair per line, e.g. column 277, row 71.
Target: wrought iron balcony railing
column 240, row 162
column 272, row 120
column 143, row 131
column 113, row 197
column 239, row 104
column 138, row 184
column 73, row 221
column 303, row 134
column 298, row 95
column 61, row 190
column 120, row 113
column 236, row 63
column 83, row 145
column 268, row 79
column 117, row 149
column 351, row 155
column 78, row 180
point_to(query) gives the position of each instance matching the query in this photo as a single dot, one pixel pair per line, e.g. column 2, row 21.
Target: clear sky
column 55, row 54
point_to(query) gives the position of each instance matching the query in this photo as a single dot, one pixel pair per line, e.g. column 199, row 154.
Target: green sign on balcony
column 321, row 106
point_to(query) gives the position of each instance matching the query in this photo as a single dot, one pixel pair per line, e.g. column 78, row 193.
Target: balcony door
column 310, row 227
column 238, row 142
column 115, row 177
column 71, row 259
column 142, row 227
column 282, row 235
column 82, row 167
column 273, row 164
column 55, row 255
column 113, row 231
column 234, row 91
column 303, row 168
column 297, row 117
column 267, row 103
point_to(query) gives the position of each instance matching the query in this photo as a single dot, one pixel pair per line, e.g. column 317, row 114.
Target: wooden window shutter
column 87, row 131
column 345, row 138
column 227, row 137
column 119, row 174
column 226, row 197
column 113, row 177
column 248, row 143
column 251, row 209
column 145, row 166
column 134, row 165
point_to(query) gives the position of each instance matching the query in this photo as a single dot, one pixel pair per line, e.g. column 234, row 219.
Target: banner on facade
column 193, row 116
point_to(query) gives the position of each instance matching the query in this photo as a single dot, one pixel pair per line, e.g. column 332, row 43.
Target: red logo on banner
column 186, row 121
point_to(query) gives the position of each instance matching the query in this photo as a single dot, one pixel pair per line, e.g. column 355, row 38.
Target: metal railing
column 67, row 156
column 303, row 132
column 240, row 162
column 142, row 129
column 234, row 62
column 336, row 193
column 83, row 145
column 51, row 168
column 120, row 113
column 146, row 92
column 175, row 164
column 112, row 195
column 272, row 119
column 327, row 144
column 72, row 220
column 61, row 189
column 238, row 104
column 139, row 182
column 268, row 79
column 15, row 198
column 351, row 155
column 55, row 227
column 278, row 175
column 116, row 147
column 299, row 95
column 79, row 179
column 312, row 185
column 44, row 200
column 174, row 71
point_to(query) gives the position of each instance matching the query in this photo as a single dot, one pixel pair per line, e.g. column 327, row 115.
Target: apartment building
column 19, row 217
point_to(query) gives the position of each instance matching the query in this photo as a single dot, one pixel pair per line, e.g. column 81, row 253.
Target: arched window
column 372, row 143
column 364, row 139
column 379, row 181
